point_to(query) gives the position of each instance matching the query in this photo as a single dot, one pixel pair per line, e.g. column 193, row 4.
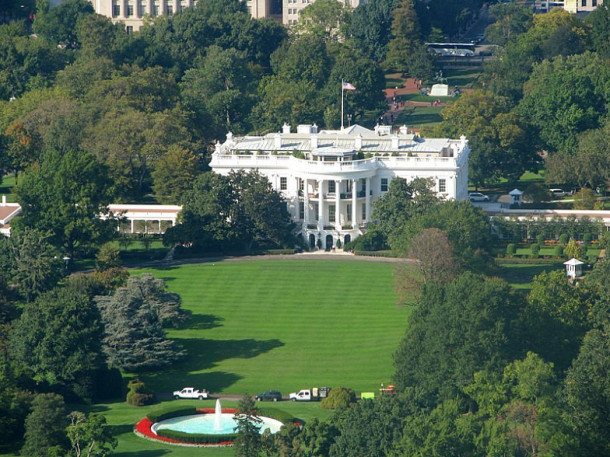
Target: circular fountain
column 218, row 423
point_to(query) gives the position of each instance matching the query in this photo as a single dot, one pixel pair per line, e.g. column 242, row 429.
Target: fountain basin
column 205, row 424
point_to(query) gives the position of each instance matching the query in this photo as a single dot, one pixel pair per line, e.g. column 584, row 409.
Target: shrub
column 338, row 244
column 198, row 438
column 563, row 238
column 107, row 257
column 138, row 394
column 573, row 250
column 587, row 238
column 540, row 238
column 558, row 252
column 535, row 249
column 510, row 249
column 277, row 414
column 339, row 397
column 280, row 251
column 168, row 413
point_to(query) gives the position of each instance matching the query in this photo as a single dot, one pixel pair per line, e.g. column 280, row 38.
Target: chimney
column 395, row 144
column 314, row 141
column 314, row 128
column 286, row 128
column 278, row 140
column 358, row 142
column 404, row 130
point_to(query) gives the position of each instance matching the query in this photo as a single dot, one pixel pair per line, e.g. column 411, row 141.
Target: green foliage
column 133, row 319
column 401, row 203
column 171, row 412
column 57, row 339
column 14, row 407
column 237, row 211
column 139, row 395
column 248, row 440
column 66, row 195
column 510, row 249
column 511, row 20
column 107, row 257
column 458, row 329
column 370, row 27
column 586, row 390
column 45, row 427
column 558, row 251
column 584, row 199
column 198, row 438
column 58, row 25
column 536, row 192
column 372, row 240
column 535, row 249
column 30, row 262
column 563, row 238
column 587, row 237
column 90, row 435
column 174, row 174
column 573, row 250
column 339, row 398
column 556, row 317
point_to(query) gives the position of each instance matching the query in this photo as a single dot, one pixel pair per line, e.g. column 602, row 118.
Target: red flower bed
column 144, row 427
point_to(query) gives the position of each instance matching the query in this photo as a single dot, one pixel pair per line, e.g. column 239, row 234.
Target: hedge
column 278, row 414
column 377, row 254
column 163, row 414
column 280, row 251
column 197, row 438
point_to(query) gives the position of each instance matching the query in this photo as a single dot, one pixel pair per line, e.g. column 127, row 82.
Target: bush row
column 168, row 413
column 278, row 414
column 196, row 438
column 280, row 251
column 376, row 253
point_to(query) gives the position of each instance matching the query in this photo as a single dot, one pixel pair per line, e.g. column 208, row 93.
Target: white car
column 559, row 193
column 477, row 197
column 191, row 392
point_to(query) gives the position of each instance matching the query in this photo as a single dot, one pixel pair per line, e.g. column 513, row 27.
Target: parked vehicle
column 559, row 193
column 270, row 395
column 477, row 197
column 313, row 394
column 191, row 392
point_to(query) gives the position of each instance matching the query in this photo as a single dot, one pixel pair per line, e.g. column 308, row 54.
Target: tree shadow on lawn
column 204, row 321
column 205, row 354
column 524, row 274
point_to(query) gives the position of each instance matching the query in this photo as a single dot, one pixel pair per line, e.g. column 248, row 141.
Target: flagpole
column 341, row 104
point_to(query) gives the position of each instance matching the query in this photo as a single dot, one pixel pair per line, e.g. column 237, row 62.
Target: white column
column 132, row 223
column 354, row 202
column 176, row 4
column 159, row 225
column 368, row 200
column 337, row 204
column 306, row 203
column 149, row 7
column 320, row 204
column 124, row 8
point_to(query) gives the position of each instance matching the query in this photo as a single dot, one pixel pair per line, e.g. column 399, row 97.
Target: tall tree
column 501, row 146
column 406, row 37
column 45, row 427
column 510, row 20
column 587, row 391
column 58, row 339
column 66, row 195
column 31, row 262
column 240, row 211
column 248, row 440
column 89, row 435
column 58, row 24
column 370, row 27
column 174, row 174
column 133, row 317
column 458, row 329
column 402, row 202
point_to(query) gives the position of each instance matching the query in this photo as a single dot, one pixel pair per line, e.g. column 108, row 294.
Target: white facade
column 331, row 179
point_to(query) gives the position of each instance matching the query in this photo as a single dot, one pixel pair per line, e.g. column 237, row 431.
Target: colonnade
column 321, row 200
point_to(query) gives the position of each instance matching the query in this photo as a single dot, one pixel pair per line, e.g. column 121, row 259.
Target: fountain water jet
column 217, row 416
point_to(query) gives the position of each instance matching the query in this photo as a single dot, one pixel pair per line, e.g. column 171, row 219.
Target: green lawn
column 417, row 116
column 520, row 275
column 284, row 325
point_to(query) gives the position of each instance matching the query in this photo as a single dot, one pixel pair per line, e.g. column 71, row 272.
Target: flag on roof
column 347, row 86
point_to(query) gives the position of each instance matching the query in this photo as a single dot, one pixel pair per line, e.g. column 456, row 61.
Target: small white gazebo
column 573, row 268
column 515, row 197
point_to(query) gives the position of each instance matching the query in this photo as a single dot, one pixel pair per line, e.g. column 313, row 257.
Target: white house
column 331, row 179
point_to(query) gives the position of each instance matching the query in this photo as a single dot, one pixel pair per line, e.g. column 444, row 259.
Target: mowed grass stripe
column 284, row 324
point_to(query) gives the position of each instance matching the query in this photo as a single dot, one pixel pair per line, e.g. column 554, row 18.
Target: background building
column 331, row 179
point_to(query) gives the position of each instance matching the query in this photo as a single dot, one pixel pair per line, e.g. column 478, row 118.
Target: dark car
column 270, row 395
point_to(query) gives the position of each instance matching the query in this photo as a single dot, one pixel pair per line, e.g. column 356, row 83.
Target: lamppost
column 349, row 120
column 66, row 260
